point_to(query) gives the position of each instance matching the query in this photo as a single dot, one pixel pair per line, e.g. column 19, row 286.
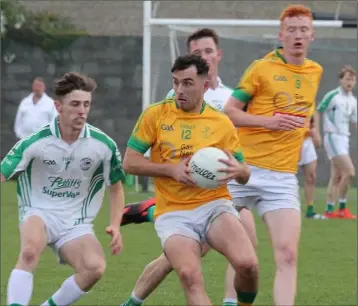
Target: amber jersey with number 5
column 173, row 135
column 272, row 87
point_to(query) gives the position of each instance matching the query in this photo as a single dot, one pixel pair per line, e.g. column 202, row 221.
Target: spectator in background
column 35, row 111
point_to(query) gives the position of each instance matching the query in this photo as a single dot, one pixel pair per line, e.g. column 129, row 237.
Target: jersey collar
column 344, row 93
column 55, row 130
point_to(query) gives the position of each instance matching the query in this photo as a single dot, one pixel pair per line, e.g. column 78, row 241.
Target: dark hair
column 185, row 61
column 345, row 70
column 71, row 81
column 203, row 33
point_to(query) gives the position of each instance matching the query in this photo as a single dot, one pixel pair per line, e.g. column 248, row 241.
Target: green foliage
column 43, row 29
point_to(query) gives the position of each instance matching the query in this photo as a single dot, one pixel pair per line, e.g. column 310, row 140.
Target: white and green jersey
column 339, row 109
column 66, row 179
column 215, row 97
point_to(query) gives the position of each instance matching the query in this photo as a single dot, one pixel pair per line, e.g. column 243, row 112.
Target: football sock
column 246, row 298
column 150, row 214
column 229, row 302
column 19, row 288
column 342, row 203
column 310, row 210
column 133, row 301
column 329, row 207
column 68, row 293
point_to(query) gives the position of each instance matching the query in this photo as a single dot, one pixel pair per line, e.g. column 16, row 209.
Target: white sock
column 136, row 299
column 230, row 301
column 19, row 287
column 68, row 293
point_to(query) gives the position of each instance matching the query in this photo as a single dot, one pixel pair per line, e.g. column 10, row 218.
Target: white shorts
column 59, row 231
column 336, row 145
column 267, row 191
column 194, row 223
column 308, row 152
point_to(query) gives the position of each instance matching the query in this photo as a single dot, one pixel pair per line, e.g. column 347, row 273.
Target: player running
column 279, row 91
column 186, row 215
column 65, row 167
column 308, row 163
column 339, row 108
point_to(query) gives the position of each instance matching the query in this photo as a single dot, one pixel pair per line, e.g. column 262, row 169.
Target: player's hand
column 316, row 138
column 181, row 172
column 234, row 170
column 116, row 242
column 283, row 122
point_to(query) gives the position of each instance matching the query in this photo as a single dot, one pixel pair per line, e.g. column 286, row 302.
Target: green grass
column 327, row 261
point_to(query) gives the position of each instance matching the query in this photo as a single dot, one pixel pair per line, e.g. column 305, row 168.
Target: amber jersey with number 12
column 172, row 135
column 272, row 87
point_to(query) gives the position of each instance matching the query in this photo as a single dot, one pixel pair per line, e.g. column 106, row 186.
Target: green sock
column 310, row 210
column 229, row 302
column 342, row 203
column 246, row 298
column 150, row 215
column 329, row 207
column 132, row 302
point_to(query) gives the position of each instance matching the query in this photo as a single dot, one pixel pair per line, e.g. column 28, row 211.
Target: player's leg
column 347, row 170
column 82, row 251
column 248, row 223
column 139, row 212
column 332, row 189
column 284, row 227
column 152, row 276
column 227, row 235
column 34, row 239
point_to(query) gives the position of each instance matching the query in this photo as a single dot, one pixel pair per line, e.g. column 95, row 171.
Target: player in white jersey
column 65, row 167
column 339, row 109
column 203, row 42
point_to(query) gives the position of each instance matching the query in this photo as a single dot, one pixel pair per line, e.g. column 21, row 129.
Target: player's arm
column 315, row 131
column 18, row 124
column 248, row 87
column 17, row 159
column 236, row 166
column 142, row 138
column 354, row 116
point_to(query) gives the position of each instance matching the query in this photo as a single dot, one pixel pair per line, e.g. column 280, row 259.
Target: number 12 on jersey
column 185, row 134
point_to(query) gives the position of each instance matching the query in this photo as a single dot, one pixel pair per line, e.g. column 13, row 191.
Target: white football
column 204, row 167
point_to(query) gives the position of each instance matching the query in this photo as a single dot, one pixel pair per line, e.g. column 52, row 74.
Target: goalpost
column 164, row 40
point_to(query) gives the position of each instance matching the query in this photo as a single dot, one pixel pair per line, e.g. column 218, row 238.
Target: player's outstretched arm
column 135, row 163
column 117, row 202
column 234, row 110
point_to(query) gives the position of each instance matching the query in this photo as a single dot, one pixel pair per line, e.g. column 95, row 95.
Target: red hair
column 296, row 10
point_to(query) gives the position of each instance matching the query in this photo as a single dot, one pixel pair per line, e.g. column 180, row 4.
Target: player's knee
column 351, row 173
column 311, row 178
column 285, row 256
column 190, row 276
column 247, row 267
column 30, row 255
column 94, row 268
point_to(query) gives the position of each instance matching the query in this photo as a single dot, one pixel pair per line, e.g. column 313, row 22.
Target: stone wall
column 116, row 64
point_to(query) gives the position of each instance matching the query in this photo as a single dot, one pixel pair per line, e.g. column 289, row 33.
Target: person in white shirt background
column 35, row 111
column 339, row 109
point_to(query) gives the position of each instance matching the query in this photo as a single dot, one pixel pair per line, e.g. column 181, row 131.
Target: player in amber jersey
column 188, row 216
column 280, row 92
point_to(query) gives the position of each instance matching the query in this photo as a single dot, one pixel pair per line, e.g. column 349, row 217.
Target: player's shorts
column 336, row 144
column 59, row 230
column 266, row 191
column 193, row 224
column 308, row 152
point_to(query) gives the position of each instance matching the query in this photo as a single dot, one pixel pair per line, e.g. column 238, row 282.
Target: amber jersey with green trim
column 172, row 135
column 272, row 87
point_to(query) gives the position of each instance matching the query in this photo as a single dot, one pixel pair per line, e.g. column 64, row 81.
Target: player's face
column 189, row 89
column 348, row 82
column 208, row 50
column 296, row 34
column 38, row 88
column 73, row 109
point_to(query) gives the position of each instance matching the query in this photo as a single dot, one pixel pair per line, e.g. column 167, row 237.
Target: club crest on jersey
column 85, row 163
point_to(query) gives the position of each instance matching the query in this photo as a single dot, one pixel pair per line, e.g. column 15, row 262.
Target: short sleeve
column 231, row 142
column 354, row 112
column 248, row 85
column 113, row 168
column 17, row 159
column 326, row 102
column 144, row 133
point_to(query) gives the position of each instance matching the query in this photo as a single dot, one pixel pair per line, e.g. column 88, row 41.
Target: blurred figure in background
column 35, row 111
